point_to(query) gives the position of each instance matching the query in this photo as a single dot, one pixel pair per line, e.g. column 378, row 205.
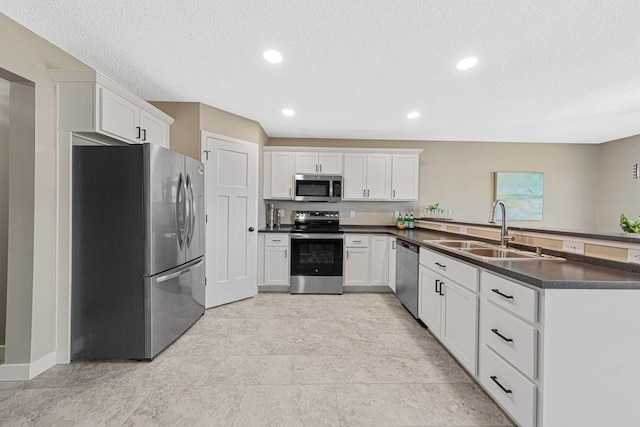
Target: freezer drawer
column 175, row 301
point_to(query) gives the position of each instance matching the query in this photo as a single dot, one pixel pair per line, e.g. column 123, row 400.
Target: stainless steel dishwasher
column 407, row 260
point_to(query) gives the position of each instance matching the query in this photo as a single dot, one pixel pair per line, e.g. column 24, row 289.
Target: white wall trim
column 27, row 371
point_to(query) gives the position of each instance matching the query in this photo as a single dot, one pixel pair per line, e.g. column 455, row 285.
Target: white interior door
column 232, row 218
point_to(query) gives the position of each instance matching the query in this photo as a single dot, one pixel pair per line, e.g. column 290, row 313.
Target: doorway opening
column 4, row 206
column 17, row 151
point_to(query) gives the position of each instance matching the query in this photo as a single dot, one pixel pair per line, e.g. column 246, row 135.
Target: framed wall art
column 522, row 192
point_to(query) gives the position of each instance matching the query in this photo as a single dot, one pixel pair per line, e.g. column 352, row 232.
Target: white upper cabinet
column 278, row 175
column 319, row 163
column 91, row 103
column 405, row 176
column 367, row 176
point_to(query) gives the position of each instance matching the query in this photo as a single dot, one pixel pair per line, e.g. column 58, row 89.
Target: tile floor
column 273, row 360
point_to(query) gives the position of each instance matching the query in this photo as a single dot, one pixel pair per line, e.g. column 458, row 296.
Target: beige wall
column 619, row 192
column 31, row 292
column 458, row 175
column 185, row 131
column 4, row 200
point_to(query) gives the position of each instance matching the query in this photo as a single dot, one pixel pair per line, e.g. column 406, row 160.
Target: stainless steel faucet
column 504, row 231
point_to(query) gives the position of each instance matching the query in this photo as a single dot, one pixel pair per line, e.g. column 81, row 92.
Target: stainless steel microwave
column 318, row 188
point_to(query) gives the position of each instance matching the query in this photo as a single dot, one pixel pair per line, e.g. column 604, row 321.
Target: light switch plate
column 443, row 227
column 463, row 230
column 633, row 256
column 352, row 214
column 573, row 247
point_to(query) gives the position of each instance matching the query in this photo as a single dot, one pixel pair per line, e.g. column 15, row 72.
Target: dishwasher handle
column 407, row 245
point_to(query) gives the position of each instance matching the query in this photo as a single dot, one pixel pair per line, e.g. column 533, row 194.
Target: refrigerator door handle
column 178, row 273
column 179, row 211
column 192, row 210
column 189, row 214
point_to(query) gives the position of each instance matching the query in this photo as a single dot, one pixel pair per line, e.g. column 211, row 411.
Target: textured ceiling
column 548, row 70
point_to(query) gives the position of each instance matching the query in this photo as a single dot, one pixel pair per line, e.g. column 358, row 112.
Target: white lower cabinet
column 366, row 260
column 275, row 260
column 507, row 386
column 509, row 345
column 449, row 310
column 392, row 264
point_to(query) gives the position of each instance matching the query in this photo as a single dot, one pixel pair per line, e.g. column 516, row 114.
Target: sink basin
column 489, row 252
column 461, row 244
column 507, row 254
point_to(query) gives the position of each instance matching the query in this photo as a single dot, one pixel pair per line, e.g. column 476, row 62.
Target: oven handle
column 316, row 236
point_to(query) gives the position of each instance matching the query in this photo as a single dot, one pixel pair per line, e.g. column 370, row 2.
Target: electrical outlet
column 443, row 227
column 463, row 230
column 395, row 214
column 352, row 214
column 573, row 247
column 633, row 256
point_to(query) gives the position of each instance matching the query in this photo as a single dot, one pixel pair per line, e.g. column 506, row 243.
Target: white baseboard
column 27, row 371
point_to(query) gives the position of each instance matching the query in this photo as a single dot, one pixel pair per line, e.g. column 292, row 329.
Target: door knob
column 251, row 229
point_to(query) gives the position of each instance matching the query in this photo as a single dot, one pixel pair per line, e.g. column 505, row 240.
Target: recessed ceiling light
column 467, row 63
column 413, row 115
column 288, row 112
column 273, row 56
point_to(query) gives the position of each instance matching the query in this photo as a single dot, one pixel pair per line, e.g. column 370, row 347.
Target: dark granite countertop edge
column 417, row 236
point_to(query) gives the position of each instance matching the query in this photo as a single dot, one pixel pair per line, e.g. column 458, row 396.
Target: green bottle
column 411, row 223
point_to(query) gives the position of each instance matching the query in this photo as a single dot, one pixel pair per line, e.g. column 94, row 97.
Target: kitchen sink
column 489, row 252
column 461, row 244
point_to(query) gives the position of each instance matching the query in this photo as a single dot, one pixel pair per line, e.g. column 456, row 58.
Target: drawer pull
column 274, row 240
column 441, row 265
column 357, row 241
column 495, row 331
column 495, row 380
column 501, row 294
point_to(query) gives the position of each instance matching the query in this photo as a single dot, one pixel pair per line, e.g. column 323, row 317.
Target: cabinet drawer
column 276, row 240
column 461, row 273
column 510, row 337
column 357, row 241
column 512, row 390
column 516, row 298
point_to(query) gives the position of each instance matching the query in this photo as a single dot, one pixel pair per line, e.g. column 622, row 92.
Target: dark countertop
column 284, row 228
column 568, row 274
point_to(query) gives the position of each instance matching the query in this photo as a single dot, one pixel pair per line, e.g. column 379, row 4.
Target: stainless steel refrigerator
column 138, row 250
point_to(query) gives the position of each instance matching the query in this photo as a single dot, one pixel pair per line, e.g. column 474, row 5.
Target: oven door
column 316, row 263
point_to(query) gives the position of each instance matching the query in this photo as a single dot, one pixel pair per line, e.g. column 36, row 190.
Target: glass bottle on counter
column 399, row 222
column 411, row 223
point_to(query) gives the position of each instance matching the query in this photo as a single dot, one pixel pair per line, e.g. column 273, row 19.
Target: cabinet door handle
column 138, row 129
column 495, row 331
column 285, row 252
column 495, row 380
column 501, row 294
column 316, row 168
column 393, row 244
column 368, row 193
column 436, row 288
column 441, row 265
column 364, row 193
column 289, row 192
column 394, row 193
column 347, row 254
column 144, row 134
column 440, row 291
column 320, row 167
